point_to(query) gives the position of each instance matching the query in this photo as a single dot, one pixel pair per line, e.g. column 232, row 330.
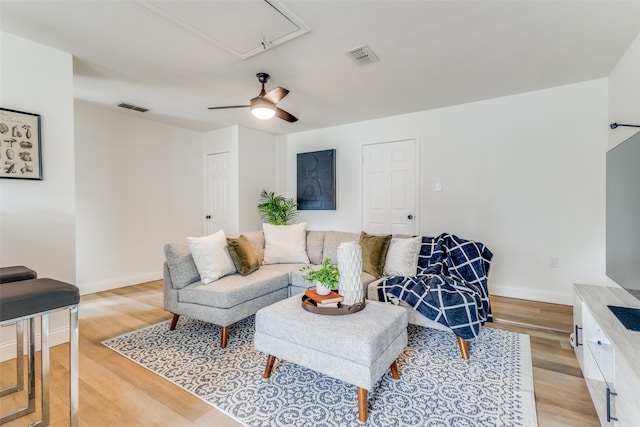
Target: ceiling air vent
column 132, row 107
column 362, row 54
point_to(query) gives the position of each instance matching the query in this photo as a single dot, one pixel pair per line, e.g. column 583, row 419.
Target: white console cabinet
column 608, row 353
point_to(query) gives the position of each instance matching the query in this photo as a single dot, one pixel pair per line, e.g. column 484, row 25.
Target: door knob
column 409, row 216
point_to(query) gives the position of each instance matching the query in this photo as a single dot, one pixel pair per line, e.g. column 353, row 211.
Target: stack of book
column 324, row 301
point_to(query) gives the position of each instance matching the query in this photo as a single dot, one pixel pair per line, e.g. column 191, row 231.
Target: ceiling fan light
column 263, row 113
column 262, row 109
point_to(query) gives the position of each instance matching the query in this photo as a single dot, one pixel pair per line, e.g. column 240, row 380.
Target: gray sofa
column 235, row 297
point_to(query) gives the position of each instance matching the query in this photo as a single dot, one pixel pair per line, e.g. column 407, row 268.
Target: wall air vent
column 362, row 54
column 133, row 107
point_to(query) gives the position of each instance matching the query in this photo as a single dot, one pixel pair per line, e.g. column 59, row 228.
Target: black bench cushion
column 15, row 273
column 29, row 297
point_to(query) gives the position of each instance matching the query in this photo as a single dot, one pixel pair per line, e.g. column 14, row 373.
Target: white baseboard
column 531, row 294
column 106, row 285
column 56, row 337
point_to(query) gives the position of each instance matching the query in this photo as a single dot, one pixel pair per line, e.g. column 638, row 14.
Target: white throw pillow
column 211, row 256
column 285, row 244
column 402, row 257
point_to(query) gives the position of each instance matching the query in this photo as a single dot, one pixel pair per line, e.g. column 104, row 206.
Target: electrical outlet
column 438, row 186
column 553, row 262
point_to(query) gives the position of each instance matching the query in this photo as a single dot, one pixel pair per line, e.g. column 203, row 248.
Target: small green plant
column 277, row 209
column 328, row 275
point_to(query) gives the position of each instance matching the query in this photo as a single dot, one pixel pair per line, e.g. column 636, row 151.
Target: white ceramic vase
column 322, row 290
column 350, row 268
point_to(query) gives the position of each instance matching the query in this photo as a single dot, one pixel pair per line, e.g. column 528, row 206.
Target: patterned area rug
column 436, row 387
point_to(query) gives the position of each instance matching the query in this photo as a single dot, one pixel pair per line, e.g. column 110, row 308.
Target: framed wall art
column 20, row 153
column 316, row 180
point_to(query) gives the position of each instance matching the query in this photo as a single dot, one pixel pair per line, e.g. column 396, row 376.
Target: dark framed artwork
column 20, row 152
column 316, row 173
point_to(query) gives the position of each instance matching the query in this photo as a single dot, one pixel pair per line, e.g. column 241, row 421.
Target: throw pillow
column 211, row 256
column 182, row 268
column 374, row 253
column 285, row 244
column 243, row 255
column 402, row 257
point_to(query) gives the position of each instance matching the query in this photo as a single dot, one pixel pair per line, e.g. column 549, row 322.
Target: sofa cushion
column 402, row 257
column 234, row 289
column 374, row 252
column 182, row 268
column 285, row 244
column 332, row 240
column 243, row 255
column 211, row 256
column 256, row 238
column 315, row 244
column 368, row 278
column 296, row 278
column 291, row 269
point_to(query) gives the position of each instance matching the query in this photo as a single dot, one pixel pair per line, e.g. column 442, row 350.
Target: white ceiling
column 432, row 54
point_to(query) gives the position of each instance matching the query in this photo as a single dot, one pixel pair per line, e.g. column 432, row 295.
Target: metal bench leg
column 73, row 366
column 19, row 361
column 20, row 354
column 31, row 380
column 45, row 373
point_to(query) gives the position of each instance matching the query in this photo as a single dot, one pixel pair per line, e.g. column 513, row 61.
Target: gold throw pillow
column 374, row 253
column 243, row 255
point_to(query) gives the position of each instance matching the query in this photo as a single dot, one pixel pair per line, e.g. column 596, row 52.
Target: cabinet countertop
column 626, row 343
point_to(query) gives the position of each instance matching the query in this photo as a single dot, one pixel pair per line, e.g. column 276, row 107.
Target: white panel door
column 389, row 187
column 217, row 192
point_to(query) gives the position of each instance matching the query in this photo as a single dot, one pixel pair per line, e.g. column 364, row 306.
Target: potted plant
column 277, row 209
column 326, row 278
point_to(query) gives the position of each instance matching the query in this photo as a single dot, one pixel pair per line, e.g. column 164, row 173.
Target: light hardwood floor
column 117, row 392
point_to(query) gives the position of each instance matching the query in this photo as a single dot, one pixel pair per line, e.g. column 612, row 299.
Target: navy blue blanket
column 450, row 286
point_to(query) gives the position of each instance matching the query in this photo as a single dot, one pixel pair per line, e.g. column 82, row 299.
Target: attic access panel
column 243, row 28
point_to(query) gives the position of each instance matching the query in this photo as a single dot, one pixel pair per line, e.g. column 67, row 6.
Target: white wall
column 257, row 172
column 139, row 186
column 524, row 174
column 37, row 218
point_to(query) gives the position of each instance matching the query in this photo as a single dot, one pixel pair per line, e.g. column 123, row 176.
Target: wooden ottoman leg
column 224, row 333
column 464, row 349
column 362, row 404
column 174, row 322
column 267, row 369
column 394, row 371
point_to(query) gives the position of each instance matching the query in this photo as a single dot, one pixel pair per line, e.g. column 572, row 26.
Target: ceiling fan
column 264, row 105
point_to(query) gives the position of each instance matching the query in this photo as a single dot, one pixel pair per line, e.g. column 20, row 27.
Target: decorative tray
column 309, row 305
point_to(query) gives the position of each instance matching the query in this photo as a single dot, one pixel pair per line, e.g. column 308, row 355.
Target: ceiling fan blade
column 228, row 106
column 281, row 114
column 276, row 94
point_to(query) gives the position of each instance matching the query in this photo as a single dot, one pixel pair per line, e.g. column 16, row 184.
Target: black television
column 623, row 224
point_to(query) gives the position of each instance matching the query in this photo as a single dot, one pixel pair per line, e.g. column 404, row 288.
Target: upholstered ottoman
column 356, row 348
column 16, row 273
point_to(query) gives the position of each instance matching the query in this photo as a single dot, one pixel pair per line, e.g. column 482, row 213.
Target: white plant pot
column 322, row 290
column 350, row 268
